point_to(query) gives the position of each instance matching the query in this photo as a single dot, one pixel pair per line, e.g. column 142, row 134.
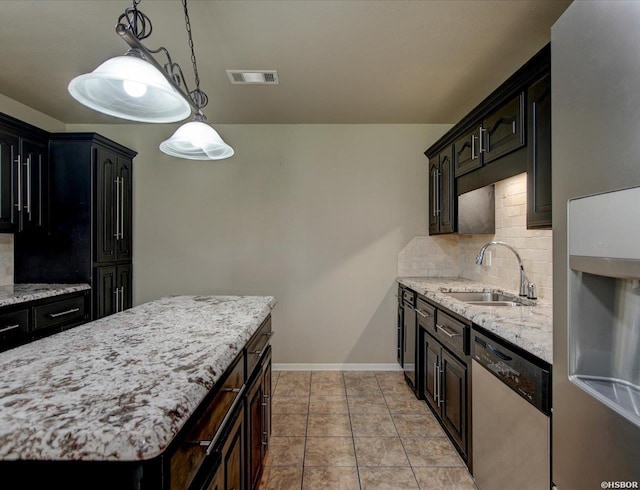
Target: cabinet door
column 434, row 202
column 539, row 157
column 125, row 284
column 233, row 458
column 255, row 429
column 400, row 330
column 466, row 153
column 266, row 382
column 454, row 395
column 124, row 209
column 35, row 185
column 8, row 180
column 504, row 130
column 106, row 199
column 430, row 367
column 105, row 296
column 447, row 193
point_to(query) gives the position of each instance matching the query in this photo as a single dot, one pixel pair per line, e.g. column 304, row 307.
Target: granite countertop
column 21, row 293
column 120, row 388
column 528, row 327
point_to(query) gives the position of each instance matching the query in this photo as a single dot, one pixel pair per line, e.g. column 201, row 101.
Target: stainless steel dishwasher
column 510, row 417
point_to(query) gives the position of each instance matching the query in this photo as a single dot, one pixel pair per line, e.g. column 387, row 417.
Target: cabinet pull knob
column 63, row 313
column 446, row 331
column 256, row 352
column 269, row 334
column 9, row 328
column 232, row 390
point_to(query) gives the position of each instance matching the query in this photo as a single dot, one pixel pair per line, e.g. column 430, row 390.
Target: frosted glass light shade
column 196, row 140
column 130, row 88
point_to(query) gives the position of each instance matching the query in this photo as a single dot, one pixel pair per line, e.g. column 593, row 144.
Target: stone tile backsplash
column 6, row 259
column 454, row 255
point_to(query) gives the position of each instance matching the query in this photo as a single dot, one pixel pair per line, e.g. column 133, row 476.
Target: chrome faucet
column 526, row 288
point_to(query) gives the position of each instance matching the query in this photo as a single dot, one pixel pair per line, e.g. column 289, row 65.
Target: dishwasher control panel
column 529, row 380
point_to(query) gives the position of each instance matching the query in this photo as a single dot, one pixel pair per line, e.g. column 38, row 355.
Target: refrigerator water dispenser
column 604, row 298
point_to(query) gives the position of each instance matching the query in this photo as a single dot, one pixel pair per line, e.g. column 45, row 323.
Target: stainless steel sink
column 488, row 298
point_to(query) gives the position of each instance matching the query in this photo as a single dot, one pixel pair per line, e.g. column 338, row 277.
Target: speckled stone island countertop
column 120, row 388
column 21, row 293
column 528, row 327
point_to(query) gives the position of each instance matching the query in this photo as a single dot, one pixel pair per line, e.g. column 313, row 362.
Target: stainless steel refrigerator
column 595, row 58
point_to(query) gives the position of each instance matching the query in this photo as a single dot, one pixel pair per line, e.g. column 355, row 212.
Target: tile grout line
column 306, row 430
column 353, row 440
column 399, row 437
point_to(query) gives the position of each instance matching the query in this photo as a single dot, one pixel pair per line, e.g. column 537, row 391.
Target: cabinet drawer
column 189, row 455
column 257, row 345
column 425, row 313
column 59, row 313
column 409, row 296
column 13, row 327
column 452, row 333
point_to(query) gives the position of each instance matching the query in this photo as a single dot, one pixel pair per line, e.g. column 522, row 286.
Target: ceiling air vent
column 253, row 77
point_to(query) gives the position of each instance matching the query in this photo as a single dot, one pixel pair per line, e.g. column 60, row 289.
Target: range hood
column 477, row 211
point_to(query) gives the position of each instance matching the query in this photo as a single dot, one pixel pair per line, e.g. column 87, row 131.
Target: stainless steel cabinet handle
column 513, row 127
column 63, row 313
column 269, row 334
column 232, row 390
column 122, row 298
column 9, row 328
column 440, row 397
column 435, row 205
column 28, row 206
column 482, row 148
column 438, row 175
column 122, row 208
column 435, row 381
column 423, row 314
column 446, row 331
column 19, row 204
column 211, row 444
column 256, row 352
column 473, row 147
column 117, row 233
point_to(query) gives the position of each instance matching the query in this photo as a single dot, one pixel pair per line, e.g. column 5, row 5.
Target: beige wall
column 454, row 255
column 313, row 214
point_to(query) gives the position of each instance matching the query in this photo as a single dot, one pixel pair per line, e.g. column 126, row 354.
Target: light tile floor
column 356, row 430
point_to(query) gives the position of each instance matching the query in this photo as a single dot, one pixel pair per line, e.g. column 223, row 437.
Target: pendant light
column 196, row 140
column 137, row 87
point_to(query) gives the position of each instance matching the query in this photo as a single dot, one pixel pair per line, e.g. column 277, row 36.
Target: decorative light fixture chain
column 198, row 96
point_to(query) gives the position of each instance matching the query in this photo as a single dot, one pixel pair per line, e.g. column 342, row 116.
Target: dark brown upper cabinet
column 507, row 134
column 503, row 130
column 24, row 182
column 442, row 215
column 90, row 222
column 539, row 155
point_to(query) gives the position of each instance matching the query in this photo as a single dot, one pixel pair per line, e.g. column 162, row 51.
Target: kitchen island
column 124, row 388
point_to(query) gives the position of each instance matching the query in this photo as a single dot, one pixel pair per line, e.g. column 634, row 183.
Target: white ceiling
column 342, row 61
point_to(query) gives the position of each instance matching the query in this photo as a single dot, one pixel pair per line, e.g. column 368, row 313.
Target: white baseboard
column 336, row 367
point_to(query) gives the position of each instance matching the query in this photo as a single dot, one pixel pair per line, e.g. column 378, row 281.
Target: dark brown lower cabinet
column 445, row 384
column 114, row 289
column 233, row 460
column 258, row 420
